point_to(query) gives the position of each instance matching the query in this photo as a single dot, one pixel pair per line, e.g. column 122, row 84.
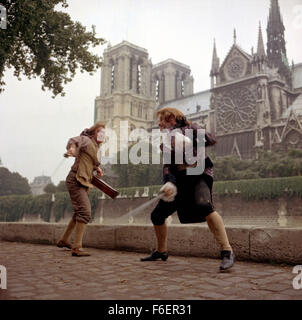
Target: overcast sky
column 34, row 128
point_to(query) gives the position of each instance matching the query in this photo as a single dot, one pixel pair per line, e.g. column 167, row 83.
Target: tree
column 12, row 183
column 268, row 165
column 61, row 187
column 42, row 42
column 50, row 188
column 135, row 175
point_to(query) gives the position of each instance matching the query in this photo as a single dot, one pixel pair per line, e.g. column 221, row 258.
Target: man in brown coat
column 84, row 148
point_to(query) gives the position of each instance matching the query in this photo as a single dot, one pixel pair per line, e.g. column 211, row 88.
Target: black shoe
column 156, row 255
column 228, row 259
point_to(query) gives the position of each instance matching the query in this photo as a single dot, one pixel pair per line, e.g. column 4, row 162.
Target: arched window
column 112, row 76
column 182, row 86
column 157, row 89
column 139, row 78
column 130, row 73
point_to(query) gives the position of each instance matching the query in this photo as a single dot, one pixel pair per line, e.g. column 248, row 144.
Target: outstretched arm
column 75, row 144
column 71, row 151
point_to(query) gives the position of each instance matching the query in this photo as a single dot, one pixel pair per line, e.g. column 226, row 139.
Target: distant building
column 254, row 101
column 38, row 185
column 132, row 87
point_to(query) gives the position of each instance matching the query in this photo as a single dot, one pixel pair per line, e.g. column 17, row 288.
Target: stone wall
column 268, row 244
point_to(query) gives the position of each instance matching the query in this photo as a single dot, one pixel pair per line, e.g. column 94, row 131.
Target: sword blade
column 142, row 207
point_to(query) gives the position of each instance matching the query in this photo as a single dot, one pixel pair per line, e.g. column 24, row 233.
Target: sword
column 142, row 207
column 135, row 211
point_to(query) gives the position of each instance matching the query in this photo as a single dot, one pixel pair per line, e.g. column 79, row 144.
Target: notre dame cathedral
column 254, row 103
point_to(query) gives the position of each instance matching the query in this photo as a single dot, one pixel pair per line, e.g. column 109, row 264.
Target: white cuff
column 172, row 187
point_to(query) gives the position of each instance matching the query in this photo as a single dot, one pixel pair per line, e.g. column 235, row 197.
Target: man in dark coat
column 188, row 194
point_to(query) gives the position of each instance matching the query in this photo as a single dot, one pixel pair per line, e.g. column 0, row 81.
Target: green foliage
column 13, row 208
column 249, row 189
column 61, row 187
column 12, row 183
column 40, row 41
column 268, row 165
column 41, row 205
column 135, row 175
column 62, row 203
column 259, row 189
column 94, row 197
column 50, row 188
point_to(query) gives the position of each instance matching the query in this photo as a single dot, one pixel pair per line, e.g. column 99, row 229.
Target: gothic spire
column 276, row 45
column 215, row 61
column 260, row 47
column 275, row 18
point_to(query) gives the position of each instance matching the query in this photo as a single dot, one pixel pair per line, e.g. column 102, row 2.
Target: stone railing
column 264, row 244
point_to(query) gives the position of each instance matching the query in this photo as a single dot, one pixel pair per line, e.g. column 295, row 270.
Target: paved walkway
column 46, row 272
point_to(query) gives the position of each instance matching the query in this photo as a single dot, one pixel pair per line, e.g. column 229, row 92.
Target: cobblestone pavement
column 46, row 272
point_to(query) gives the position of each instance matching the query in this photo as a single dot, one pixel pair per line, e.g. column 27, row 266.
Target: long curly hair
column 168, row 113
column 89, row 132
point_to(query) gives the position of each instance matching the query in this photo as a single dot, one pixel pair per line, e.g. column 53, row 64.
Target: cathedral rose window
column 236, row 109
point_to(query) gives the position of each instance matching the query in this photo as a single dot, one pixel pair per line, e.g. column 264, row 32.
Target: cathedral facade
column 254, row 103
column 132, row 88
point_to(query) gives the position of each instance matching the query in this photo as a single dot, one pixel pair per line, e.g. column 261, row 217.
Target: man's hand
column 100, row 172
column 170, row 191
column 71, row 152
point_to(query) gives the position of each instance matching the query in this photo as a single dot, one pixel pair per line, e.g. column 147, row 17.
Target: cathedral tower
column 171, row 80
column 276, row 45
column 125, row 88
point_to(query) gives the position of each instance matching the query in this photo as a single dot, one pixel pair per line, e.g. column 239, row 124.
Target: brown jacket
column 86, row 159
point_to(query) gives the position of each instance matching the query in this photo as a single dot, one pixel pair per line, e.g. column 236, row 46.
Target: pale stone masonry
column 173, row 79
column 253, row 104
column 132, row 88
column 125, row 88
column 262, row 244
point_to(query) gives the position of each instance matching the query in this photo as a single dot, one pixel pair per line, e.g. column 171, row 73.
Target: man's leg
column 158, row 218
column 82, row 207
column 64, row 241
column 78, row 241
column 161, row 237
column 216, row 226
